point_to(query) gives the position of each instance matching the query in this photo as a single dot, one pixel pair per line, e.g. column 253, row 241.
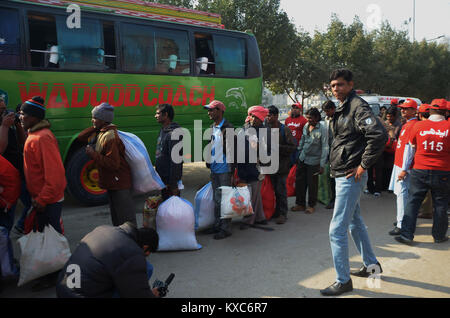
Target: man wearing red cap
column 222, row 165
column 296, row 122
column 399, row 178
column 431, row 171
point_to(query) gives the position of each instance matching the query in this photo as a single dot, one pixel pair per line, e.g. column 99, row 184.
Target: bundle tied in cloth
column 104, row 112
column 33, row 108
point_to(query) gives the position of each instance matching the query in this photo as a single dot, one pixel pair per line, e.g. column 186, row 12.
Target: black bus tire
column 76, row 166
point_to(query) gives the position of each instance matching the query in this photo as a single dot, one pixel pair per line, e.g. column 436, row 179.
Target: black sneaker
column 362, row 272
column 211, row 230
column 337, row 289
column 396, row 231
column 330, row 206
column 445, row 239
column 403, row 240
column 221, row 235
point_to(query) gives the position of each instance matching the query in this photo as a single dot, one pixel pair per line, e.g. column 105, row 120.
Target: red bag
column 268, row 197
column 290, row 181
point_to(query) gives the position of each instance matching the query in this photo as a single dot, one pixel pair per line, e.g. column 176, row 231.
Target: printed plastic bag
column 204, row 207
column 290, row 181
column 144, row 176
column 175, row 222
column 42, row 253
column 150, row 209
column 7, row 266
column 268, row 197
column 236, row 202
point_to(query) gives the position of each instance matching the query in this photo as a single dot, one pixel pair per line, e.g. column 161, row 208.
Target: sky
column 432, row 16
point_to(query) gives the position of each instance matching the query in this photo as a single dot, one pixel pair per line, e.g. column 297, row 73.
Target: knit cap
column 104, row 112
column 33, row 108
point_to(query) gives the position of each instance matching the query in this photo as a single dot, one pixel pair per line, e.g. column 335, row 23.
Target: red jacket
column 10, row 182
column 44, row 171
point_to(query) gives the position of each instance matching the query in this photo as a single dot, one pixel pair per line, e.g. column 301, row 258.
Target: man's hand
column 8, row 120
column 173, row 190
column 402, row 175
column 39, row 208
column 90, row 151
column 321, row 170
column 155, row 292
column 357, row 172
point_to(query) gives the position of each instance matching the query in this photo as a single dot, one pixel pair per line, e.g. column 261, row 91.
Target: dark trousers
column 51, row 215
column 421, row 181
column 279, row 187
column 219, row 180
column 388, row 161
column 121, row 206
column 376, row 176
column 306, row 179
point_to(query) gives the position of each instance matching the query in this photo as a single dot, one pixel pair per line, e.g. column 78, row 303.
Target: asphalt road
column 292, row 261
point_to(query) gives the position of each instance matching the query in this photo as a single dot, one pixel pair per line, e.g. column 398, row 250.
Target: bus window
column 80, row 48
column 43, row 41
column 204, row 54
column 109, row 45
column 138, row 48
column 9, row 38
column 172, row 51
column 54, row 45
column 230, row 56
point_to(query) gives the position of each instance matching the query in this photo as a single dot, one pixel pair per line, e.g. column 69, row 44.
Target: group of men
column 350, row 140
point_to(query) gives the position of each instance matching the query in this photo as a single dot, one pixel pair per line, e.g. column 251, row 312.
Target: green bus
column 133, row 61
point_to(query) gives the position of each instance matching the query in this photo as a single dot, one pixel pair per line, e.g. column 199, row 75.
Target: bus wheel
column 82, row 180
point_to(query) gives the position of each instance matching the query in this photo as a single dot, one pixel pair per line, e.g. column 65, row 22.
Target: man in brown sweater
column 108, row 152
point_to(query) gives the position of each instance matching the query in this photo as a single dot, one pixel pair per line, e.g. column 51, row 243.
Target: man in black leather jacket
column 358, row 140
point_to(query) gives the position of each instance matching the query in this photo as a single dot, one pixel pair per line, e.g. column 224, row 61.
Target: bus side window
column 138, row 48
column 81, row 48
column 9, row 38
column 204, row 54
column 172, row 51
column 230, row 55
column 43, row 41
column 110, row 56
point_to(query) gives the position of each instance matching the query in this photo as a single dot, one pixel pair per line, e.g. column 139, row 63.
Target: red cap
column 394, row 101
column 298, row 105
column 424, row 108
column 448, row 105
column 409, row 103
column 215, row 104
column 439, row 104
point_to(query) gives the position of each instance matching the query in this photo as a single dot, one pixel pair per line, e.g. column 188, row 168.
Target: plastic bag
column 150, row 210
column 144, row 176
column 204, row 207
column 290, row 181
column 268, row 197
column 42, row 253
column 236, row 202
column 7, row 266
column 175, row 222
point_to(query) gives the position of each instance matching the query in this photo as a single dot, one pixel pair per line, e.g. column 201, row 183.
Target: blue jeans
column 421, row 181
column 347, row 215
